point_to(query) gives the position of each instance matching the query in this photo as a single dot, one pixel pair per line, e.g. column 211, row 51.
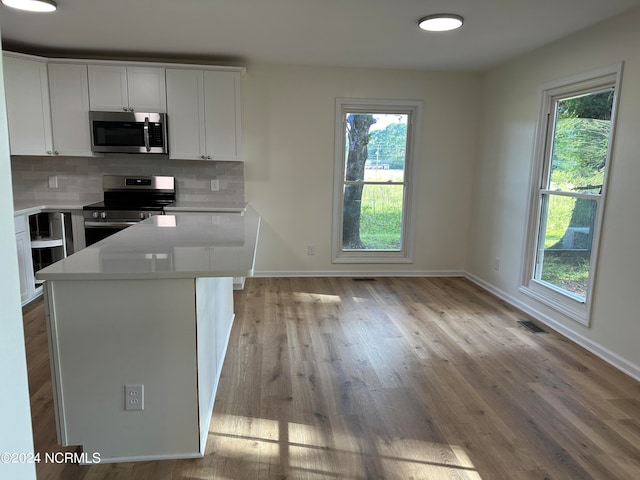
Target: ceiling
column 358, row 33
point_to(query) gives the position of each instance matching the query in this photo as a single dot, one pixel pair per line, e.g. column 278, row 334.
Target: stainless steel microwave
column 128, row 132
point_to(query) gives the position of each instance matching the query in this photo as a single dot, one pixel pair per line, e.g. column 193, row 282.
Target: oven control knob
column 141, row 215
column 103, row 214
column 94, row 214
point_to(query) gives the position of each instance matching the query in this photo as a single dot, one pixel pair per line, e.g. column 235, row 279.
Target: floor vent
column 364, row 279
column 532, row 326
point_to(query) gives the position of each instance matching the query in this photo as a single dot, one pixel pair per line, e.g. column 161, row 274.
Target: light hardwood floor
column 393, row 378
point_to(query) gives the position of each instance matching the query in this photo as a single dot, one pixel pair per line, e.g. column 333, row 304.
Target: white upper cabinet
column 147, row 92
column 204, row 114
column 69, row 95
column 48, row 104
column 27, row 97
column 185, row 112
column 222, row 115
column 115, row 88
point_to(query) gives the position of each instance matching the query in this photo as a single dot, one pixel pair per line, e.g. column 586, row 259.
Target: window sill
column 371, row 257
column 577, row 310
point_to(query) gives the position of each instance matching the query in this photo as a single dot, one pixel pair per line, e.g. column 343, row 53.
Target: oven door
column 95, row 231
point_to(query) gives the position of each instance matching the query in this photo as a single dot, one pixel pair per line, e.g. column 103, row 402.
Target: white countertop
column 29, row 208
column 191, row 206
column 168, row 246
column 179, row 206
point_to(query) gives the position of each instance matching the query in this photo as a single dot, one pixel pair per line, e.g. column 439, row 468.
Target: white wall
column 288, row 122
column 15, row 415
column 510, row 103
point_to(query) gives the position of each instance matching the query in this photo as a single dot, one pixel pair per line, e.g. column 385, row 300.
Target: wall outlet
column 134, row 397
column 311, row 249
column 53, row 181
column 215, row 185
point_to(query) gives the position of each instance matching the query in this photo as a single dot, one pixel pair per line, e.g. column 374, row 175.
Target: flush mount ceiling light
column 32, row 5
column 441, row 22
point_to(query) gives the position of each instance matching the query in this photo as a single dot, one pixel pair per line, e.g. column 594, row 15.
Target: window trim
column 414, row 129
column 564, row 302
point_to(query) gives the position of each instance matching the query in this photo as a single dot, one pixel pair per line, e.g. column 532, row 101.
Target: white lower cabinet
column 25, row 263
column 42, row 238
column 204, row 114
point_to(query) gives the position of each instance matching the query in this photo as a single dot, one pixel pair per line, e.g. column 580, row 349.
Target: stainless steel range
column 127, row 201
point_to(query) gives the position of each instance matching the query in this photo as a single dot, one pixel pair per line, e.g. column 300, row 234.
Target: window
column 374, row 167
column 573, row 155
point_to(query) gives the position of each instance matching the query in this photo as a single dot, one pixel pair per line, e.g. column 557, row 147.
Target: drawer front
column 20, row 222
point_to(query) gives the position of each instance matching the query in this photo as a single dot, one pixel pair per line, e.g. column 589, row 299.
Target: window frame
column 412, row 108
column 563, row 301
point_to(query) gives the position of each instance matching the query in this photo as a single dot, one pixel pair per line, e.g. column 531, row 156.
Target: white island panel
column 215, row 318
column 152, row 306
column 108, row 334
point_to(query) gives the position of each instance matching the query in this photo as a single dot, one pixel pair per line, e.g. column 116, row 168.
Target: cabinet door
column 185, row 114
column 69, row 91
column 222, row 115
column 25, row 265
column 27, row 96
column 108, row 88
column 27, row 282
column 147, row 91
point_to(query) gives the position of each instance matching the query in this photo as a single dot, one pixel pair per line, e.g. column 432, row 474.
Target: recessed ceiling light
column 32, row 5
column 441, row 22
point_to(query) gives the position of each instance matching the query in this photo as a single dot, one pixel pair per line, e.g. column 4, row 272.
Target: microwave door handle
column 146, row 134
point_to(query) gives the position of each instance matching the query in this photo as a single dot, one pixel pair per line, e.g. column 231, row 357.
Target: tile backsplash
column 80, row 179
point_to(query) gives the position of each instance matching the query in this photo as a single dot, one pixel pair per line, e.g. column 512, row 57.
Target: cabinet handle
column 125, row 108
column 208, row 157
column 56, row 152
column 131, row 109
column 203, row 157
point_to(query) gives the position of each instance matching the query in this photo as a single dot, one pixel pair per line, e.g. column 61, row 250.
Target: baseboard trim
column 598, row 350
column 358, row 273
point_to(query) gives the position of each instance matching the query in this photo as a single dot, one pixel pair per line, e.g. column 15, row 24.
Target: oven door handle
column 108, row 224
column 146, row 134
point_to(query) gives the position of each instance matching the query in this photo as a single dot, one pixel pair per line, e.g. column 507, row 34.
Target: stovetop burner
column 141, row 193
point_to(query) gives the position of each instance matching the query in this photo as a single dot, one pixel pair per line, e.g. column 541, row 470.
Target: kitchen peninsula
column 138, row 328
